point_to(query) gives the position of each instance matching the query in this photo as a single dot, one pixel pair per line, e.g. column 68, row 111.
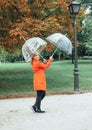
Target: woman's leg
column 43, row 94
column 37, row 104
column 39, row 97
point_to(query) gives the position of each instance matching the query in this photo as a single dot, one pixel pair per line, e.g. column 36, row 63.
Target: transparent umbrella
column 61, row 42
column 32, row 46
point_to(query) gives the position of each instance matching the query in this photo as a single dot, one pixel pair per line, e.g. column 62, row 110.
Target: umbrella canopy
column 61, row 41
column 32, row 46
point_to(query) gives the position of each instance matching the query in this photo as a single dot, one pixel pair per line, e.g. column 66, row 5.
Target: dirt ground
column 63, row 112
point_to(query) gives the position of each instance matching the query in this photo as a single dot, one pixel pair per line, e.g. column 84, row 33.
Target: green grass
column 16, row 79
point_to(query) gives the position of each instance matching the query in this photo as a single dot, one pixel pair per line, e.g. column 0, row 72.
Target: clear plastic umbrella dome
column 61, row 42
column 32, row 46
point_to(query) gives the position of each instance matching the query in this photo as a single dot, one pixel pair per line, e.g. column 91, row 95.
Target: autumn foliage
column 23, row 19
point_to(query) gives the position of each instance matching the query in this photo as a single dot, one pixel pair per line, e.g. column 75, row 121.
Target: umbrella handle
column 54, row 51
column 56, row 48
column 42, row 57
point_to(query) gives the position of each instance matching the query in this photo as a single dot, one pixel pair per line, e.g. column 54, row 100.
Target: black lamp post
column 74, row 8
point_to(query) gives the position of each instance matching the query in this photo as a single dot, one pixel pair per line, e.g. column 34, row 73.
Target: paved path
column 63, row 112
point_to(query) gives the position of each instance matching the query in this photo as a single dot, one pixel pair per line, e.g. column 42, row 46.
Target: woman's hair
column 32, row 58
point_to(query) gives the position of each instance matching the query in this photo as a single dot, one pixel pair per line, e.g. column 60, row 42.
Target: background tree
column 23, row 19
column 85, row 36
column 15, row 21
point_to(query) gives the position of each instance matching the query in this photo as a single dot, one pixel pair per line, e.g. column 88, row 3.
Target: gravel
column 63, row 112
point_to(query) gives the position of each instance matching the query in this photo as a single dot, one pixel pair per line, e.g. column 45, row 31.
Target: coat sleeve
column 44, row 65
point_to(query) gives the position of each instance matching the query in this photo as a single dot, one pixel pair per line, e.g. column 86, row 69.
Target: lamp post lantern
column 74, row 8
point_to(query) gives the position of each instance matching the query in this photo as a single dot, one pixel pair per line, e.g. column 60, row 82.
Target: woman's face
column 36, row 57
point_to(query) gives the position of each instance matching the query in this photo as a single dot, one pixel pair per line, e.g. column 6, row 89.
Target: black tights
column 40, row 95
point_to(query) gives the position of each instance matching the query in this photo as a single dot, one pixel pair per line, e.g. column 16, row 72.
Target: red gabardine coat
column 39, row 80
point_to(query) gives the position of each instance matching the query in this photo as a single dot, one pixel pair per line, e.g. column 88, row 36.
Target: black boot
column 34, row 108
column 40, row 111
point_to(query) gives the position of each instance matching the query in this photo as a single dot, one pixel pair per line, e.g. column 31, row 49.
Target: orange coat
column 39, row 79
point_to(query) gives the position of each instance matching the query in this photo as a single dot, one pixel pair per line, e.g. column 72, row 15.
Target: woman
column 39, row 80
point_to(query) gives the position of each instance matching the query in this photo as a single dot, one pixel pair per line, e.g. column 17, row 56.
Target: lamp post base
column 76, row 80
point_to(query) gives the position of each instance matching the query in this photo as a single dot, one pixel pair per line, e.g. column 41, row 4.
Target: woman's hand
column 51, row 58
column 44, row 60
